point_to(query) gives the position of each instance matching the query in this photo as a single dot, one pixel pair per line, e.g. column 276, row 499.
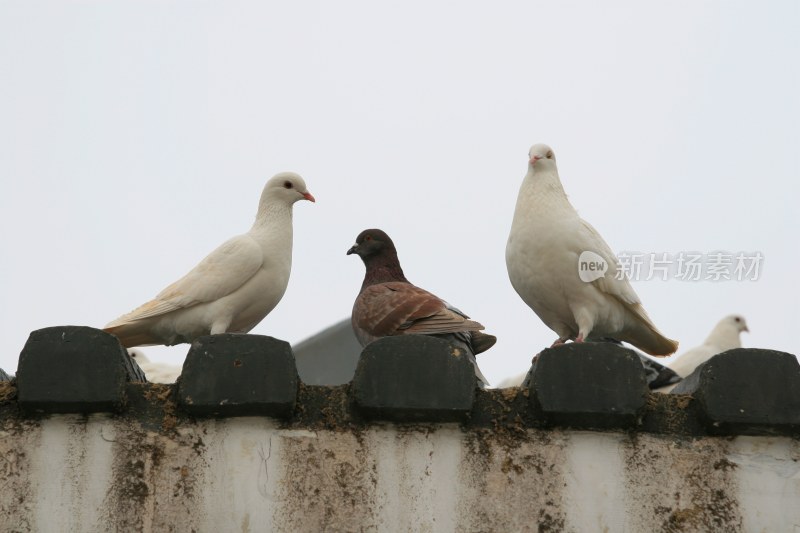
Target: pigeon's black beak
column 353, row 249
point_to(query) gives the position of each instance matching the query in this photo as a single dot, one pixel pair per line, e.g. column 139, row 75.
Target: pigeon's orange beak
column 309, row 197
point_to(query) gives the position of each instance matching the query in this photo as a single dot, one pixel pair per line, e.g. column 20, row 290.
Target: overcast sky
column 136, row 136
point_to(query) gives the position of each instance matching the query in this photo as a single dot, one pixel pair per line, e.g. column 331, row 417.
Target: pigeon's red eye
column 368, row 238
column 287, row 184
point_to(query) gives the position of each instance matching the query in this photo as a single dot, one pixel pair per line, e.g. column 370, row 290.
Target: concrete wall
column 110, row 473
column 87, row 445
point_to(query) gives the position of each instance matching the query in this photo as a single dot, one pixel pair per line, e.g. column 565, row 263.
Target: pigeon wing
column 219, row 274
column 396, row 308
column 608, row 284
column 645, row 336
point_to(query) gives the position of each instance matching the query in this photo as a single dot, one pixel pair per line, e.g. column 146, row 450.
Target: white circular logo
column 591, row 266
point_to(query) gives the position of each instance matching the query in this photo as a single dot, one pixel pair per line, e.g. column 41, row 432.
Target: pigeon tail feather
column 132, row 334
column 482, row 341
column 649, row 340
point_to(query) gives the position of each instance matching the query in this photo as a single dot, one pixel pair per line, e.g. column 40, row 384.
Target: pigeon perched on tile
column 656, row 374
column 547, row 239
column 155, row 372
column 725, row 336
column 388, row 304
column 233, row 288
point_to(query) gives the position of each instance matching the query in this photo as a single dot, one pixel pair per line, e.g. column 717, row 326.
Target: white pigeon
column 233, row 288
column 155, row 372
column 512, row 381
column 724, row 337
column 546, row 240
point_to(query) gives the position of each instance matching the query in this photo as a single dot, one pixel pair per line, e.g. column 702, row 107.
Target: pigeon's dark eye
column 549, row 155
column 287, row 184
column 737, row 319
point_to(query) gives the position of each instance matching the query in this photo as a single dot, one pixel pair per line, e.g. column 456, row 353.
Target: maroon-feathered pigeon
column 389, row 304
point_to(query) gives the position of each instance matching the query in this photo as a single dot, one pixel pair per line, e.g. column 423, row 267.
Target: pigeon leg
column 220, row 326
column 585, row 322
column 559, row 341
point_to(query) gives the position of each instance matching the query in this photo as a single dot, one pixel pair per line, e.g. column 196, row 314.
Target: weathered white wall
column 100, row 473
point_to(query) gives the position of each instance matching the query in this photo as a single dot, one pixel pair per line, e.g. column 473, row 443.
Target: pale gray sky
column 136, row 136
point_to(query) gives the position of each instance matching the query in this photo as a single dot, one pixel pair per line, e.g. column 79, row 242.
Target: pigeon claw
column 559, row 341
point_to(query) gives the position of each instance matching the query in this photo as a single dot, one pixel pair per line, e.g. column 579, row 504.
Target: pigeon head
column 541, row 156
column 377, row 251
column 725, row 334
column 736, row 322
column 372, row 242
column 138, row 356
column 286, row 187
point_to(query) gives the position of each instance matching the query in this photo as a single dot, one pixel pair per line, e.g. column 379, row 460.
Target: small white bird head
column 287, row 187
column 736, row 322
column 725, row 334
column 138, row 356
column 541, row 156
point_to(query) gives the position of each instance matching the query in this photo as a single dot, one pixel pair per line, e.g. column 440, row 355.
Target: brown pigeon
column 389, row 304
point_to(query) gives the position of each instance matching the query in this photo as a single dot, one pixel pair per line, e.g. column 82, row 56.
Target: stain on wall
column 512, row 481
column 681, row 484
